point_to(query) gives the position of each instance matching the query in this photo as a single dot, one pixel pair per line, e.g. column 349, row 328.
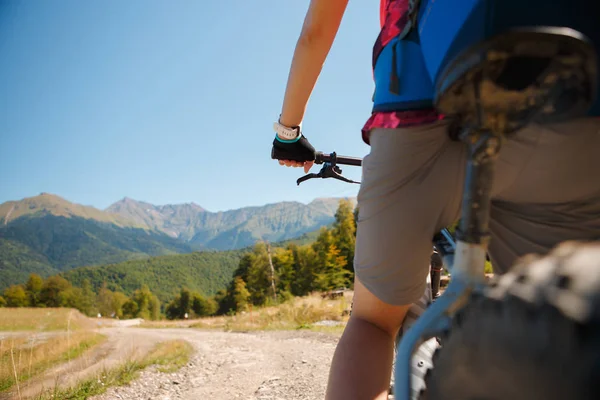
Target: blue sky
column 170, row 101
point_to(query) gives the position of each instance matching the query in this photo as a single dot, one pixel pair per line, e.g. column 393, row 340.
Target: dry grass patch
column 24, row 357
column 297, row 313
column 169, row 356
column 165, row 324
column 42, row 319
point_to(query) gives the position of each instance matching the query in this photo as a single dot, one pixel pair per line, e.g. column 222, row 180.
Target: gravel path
column 263, row 365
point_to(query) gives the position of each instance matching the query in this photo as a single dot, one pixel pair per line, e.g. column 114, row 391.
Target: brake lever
column 307, row 177
column 336, row 172
column 329, row 170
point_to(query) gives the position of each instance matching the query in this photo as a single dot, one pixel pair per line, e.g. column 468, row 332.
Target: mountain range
column 47, row 234
column 228, row 230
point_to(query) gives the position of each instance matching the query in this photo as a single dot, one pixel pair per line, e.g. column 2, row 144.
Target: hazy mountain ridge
column 232, row 229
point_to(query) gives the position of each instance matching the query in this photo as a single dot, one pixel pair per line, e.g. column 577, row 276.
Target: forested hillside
column 201, row 283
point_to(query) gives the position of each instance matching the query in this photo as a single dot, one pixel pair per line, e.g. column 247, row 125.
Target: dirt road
column 259, row 365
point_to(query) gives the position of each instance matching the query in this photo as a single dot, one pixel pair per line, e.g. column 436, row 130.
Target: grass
column 21, row 358
column 297, row 313
column 42, row 319
column 165, row 324
column 169, row 356
column 166, row 357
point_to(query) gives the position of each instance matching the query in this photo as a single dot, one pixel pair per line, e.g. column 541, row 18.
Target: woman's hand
column 298, row 153
column 306, row 164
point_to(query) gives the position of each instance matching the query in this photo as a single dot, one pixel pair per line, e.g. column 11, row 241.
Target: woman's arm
column 318, row 33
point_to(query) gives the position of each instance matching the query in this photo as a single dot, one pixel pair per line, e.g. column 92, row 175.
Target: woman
column 362, row 363
column 412, row 160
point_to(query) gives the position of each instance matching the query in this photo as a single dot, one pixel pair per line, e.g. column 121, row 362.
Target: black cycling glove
column 298, row 150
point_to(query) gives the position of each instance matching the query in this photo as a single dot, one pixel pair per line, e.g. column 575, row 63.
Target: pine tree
column 185, row 302
column 330, row 272
column 283, row 261
column 305, row 265
column 344, row 232
column 259, row 276
column 241, row 295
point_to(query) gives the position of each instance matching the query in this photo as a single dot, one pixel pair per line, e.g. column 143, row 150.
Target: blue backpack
column 444, row 28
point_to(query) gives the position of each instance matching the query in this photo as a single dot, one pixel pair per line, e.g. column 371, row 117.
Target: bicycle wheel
column 421, row 359
column 533, row 334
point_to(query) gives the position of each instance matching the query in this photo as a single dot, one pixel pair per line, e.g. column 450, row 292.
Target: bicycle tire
column 533, row 334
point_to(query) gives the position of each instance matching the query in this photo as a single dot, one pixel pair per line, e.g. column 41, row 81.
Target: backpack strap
column 413, row 13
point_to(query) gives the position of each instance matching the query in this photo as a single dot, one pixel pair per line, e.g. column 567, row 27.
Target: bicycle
column 553, row 304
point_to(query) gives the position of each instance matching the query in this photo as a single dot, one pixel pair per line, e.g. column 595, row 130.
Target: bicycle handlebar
column 321, row 158
column 330, row 168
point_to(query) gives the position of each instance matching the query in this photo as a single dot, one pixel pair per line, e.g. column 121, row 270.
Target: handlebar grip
column 321, row 158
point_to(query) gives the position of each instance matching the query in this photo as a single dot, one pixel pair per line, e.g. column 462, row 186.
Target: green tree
column 34, row 289
column 118, row 301
column 154, row 308
column 202, row 306
column 51, row 290
column 330, row 272
column 344, row 232
column 71, row 298
column 305, row 265
column 244, row 266
column 180, row 305
column 87, row 303
column 258, row 281
column 105, row 301
column 283, row 263
column 224, row 299
column 185, row 302
column 146, row 303
column 241, row 295
column 130, row 309
column 16, row 296
column 2, row 302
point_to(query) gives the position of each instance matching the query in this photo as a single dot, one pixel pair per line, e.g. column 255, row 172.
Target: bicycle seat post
column 472, row 234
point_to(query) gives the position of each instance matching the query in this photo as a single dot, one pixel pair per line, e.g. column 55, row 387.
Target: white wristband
column 285, row 132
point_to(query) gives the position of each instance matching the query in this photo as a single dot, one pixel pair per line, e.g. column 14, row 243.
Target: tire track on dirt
column 259, row 365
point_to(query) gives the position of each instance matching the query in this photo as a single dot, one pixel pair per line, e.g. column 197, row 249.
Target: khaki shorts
column 546, row 190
